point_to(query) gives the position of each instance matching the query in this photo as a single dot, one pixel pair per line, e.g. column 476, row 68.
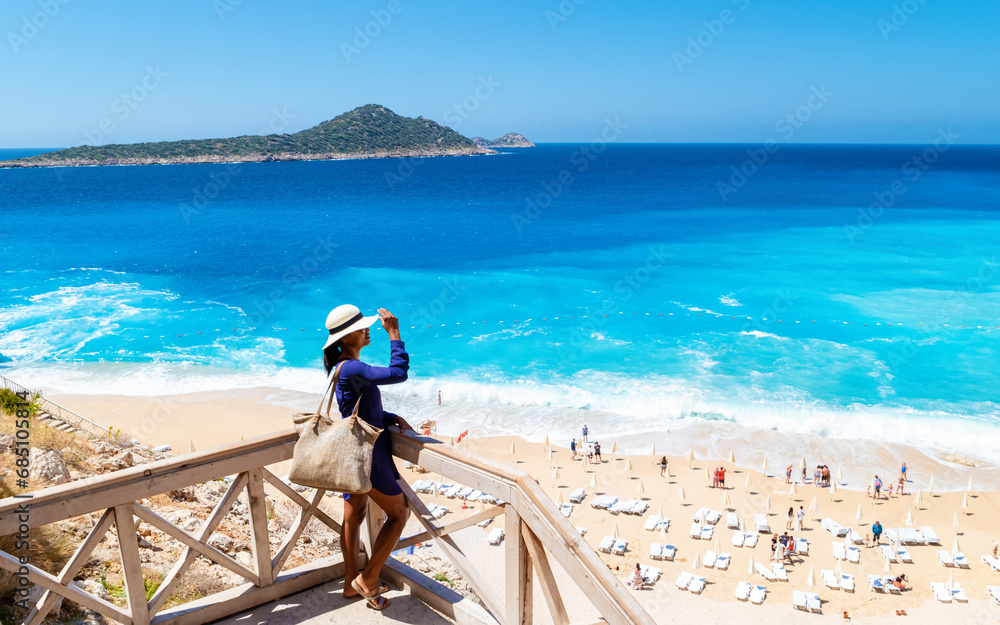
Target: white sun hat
column 345, row 319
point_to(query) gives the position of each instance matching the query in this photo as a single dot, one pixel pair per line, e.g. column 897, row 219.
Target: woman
column 637, row 580
column 791, row 517
column 900, row 582
column 663, row 466
column 358, row 381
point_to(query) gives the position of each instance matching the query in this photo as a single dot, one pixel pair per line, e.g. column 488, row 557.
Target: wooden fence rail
column 535, row 531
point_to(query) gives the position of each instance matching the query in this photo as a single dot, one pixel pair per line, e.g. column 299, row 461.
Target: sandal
column 378, row 603
column 382, row 587
column 375, row 594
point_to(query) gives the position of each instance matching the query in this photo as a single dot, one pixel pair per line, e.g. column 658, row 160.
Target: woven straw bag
column 333, row 454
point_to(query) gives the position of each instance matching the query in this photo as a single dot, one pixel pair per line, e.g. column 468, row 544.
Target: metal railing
column 59, row 412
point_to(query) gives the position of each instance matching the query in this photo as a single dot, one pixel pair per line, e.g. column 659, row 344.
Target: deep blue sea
column 834, row 289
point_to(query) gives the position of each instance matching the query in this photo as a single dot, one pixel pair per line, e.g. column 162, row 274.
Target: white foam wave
column 729, row 300
column 760, row 334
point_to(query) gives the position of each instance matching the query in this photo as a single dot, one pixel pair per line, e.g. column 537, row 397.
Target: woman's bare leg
column 354, row 514
column 396, row 513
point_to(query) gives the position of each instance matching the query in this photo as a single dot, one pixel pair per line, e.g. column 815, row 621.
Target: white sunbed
column 799, row 601
column 496, row 536
column 743, row 591
column 760, row 522
column 604, row 502
column 452, row 492
column 655, row 551
column 830, row 579
column 627, row 506
column 909, row 536
column 802, row 546
column 940, row 592
column 709, row 559
column 722, row 561
column 437, row 511
column 853, row 555
column 619, row 547
column 856, row 538
column 903, row 555
column 581, row 529
column 994, row 591
column 764, row 572
column 738, row 539
column 617, row 507
column 464, row 492
column 891, row 535
column 750, row 539
column 713, row 516
column 929, row 536
column 945, row 558
column 606, row 544
column 650, row 574
column 875, row 583
column 638, row 508
column 815, row 605
column 651, row 522
column 707, row 531
column 668, row 552
column 958, row 594
column 683, row 581
column 757, row 594
column 577, row 495
column 733, row 523
column 834, row 528
column 889, row 553
column 890, row 585
column 991, row 562
column 779, row 571
column 960, row 560
column 839, row 551
column 697, row 585
column 695, row 531
column 485, row 522
column 700, row 514
column 847, row 582
column 423, row 486
column 566, row 509
column 476, row 495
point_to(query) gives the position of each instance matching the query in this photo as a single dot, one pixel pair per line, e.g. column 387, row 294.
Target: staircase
column 56, row 416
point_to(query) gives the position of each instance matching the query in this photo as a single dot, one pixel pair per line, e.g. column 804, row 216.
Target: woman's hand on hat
column 390, row 323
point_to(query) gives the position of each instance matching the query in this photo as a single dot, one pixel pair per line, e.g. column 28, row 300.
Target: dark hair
column 331, row 356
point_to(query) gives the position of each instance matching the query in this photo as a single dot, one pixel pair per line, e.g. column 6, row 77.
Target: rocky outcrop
column 509, row 140
column 48, row 466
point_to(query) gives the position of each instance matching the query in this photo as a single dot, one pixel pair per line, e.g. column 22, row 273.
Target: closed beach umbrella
column 639, row 492
column 802, row 464
column 732, row 456
column 814, row 506
column 550, row 454
column 192, row 451
column 512, row 452
column 654, row 449
column 833, row 488
column 887, row 568
column 750, row 569
column 838, row 568
column 691, row 455
column 555, row 474
column 840, row 474
column 614, row 531
column 763, row 465
column 680, row 495
column 859, row 516
column 747, row 482
column 559, row 498
column 628, row 464
column 969, row 487
column 954, row 520
column 701, row 517
column 725, row 499
column 955, row 547
column 479, row 505
column 593, row 480
column 909, row 518
column 659, row 512
column 930, row 486
column 920, row 497
column 697, row 561
column 614, row 446
column 716, row 546
column 965, row 501
column 767, row 503
column 811, row 578
column 546, row 443
column 706, row 471
column 436, row 482
column 791, row 488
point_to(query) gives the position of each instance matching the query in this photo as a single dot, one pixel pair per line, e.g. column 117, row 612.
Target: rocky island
column 369, row 131
column 509, row 140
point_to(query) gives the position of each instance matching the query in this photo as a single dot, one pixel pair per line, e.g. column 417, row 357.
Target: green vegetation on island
column 369, row 131
column 509, row 140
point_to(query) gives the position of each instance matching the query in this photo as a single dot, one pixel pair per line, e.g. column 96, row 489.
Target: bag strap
column 332, row 390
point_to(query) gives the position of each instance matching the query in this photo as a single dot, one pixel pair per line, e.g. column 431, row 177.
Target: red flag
column 462, row 435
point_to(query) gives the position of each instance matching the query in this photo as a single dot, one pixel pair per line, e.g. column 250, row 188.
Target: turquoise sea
column 838, row 290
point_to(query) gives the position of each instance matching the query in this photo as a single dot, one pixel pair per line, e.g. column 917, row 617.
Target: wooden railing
column 534, row 530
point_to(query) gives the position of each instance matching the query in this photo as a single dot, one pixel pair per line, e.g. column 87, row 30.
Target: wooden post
column 546, row 579
column 517, row 584
column 260, row 543
column 128, row 548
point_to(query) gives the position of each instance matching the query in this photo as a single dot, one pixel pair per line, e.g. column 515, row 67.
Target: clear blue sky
column 937, row 66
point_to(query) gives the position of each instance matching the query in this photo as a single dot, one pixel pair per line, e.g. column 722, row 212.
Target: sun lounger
column 834, row 528
column 566, row 509
column 683, row 581
column 960, row 560
column 695, row 531
column 994, row 591
column 903, row 555
column 779, row 571
column 581, row 529
column 830, row 579
column 422, row 486
column 750, row 539
column 757, row 594
column 453, row 491
column 910, row 536
column 945, row 558
column 890, row 535
column 847, row 582
column 651, row 522
column 940, row 592
column 929, row 536
column 733, row 523
column 738, row 538
column 764, row 572
column 709, row 559
column 856, row 538
column 799, row 601
column 700, row 515
column 577, row 495
column 606, row 544
column 475, row 495
column 722, row 561
column 627, row 506
column 668, row 552
column 890, row 585
column 815, row 605
column 875, row 583
column 743, row 591
column 839, row 551
column 957, row 594
column 991, row 562
column 617, row 507
column 760, row 522
column 713, row 516
column 464, row 492
column 496, row 536
column 437, row 511
column 853, row 555
column 655, row 551
column 603, row 502
column 638, row 508
column 802, row 546
column 619, row 547
column 697, row 585
column 707, row 531
column 650, row 574
column 888, row 553
column 485, row 522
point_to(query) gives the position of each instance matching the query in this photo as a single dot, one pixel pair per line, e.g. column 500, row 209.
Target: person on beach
column 888, row 492
column 868, row 542
column 878, row 488
column 788, row 475
column 902, row 472
column 637, row 580
column 900, row 582
column 801, row 517
column 803, row 475
column 817, row 474
column 876, row 533
column 715, row 478
column 774, row 548
column 722, row 478
column 899, row 490
column 663, row 466
column 597, row 451
column 826, row 475
column 572, row 448
column 359, row 382
column 439, row 398
column 585, row 433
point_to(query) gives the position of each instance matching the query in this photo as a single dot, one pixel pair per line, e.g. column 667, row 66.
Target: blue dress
column 360, row 379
